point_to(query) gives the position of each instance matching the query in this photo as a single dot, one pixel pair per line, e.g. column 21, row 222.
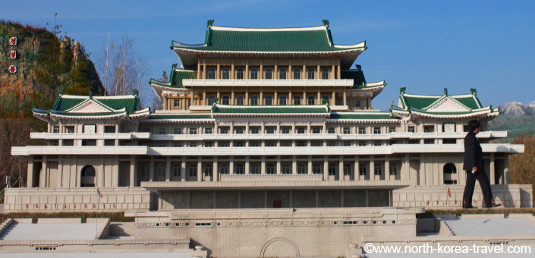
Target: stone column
column 325, row 168
column 183, row 169
column 199, row 169
column 167, row 169
column 151, row 169
column 215, row 172
column 309, row 165
column 246, row 167
column 372, row 169
column 133, row 176
column 387, row 169
column 294, row 165
column 231, row 166
column 492, row 170
column 341, row 174
column 263, row 166
column 278, row 165
column 29, row 173
column 357, row 168
column 44, row 171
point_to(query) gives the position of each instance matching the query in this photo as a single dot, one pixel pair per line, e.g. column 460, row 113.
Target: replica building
column 255, row 121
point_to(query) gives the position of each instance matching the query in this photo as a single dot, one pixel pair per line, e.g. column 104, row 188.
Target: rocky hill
column 46, row 64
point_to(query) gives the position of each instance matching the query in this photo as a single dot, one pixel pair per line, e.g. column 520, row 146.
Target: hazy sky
column 422, row 45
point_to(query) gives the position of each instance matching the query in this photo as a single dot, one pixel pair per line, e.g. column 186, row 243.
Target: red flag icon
column 449, row 192
column 13, row 41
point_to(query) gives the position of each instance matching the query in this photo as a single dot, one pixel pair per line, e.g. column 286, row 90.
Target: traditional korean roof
column 442, row 106
column 363, row 116
column 268, row 41
column 175, row 79
column 93, row 107
column 219, row 110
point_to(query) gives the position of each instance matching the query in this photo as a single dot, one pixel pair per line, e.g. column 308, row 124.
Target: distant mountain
column 517, row 109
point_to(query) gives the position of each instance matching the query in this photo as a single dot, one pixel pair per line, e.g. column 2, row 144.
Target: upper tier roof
column 304, row 40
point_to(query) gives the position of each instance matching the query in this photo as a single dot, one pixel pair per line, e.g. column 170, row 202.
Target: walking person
column 475, row 170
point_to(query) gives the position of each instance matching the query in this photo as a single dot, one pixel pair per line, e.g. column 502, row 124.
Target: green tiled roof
column 176, row 77
column 420, row 102
column 470, row 102
column 180, row 116
column 115, row 104
column 358, row 77
column 270, row 109
column 355, row 115
column 259, row 40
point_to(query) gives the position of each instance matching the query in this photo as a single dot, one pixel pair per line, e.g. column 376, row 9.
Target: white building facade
column 261, row 119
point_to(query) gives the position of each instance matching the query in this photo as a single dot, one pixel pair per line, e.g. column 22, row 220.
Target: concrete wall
column 278, row 232
column 76, row 199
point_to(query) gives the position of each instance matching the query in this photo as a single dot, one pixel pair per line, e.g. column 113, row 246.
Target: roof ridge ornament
column 445, row 91
column 210, row 23
column 325, row 23
column 474, row 91
column 402, row 90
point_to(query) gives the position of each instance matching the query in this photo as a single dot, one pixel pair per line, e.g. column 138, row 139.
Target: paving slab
column 491, row 226
column 70, row 231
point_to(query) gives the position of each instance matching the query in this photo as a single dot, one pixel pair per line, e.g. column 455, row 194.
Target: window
column 377, row 130
column 87, row 178
column 268, row 73
column 282, row 73
column 239, row 100
column 331, row 143
column 286, row 167
column 89, row 142
column 301, row 143
column 285, row 130
column 160, row 169
column 363, row 169
column 311, row 72
column 411, row 129
column 176, row 103
column 376, row 143
column 178, row 130
column 429, row 141
column 297, row 73
column 316, row 168
column 297, row 100
column 239, row 73
column 362, row 143
column 109, row 142
column 254, row 100
column 255, row 130
column 316, row 129
column 332, row 169
column 311, row 100
column 210, row 73
column 285, row 143
column 270, row 168
column 223, row 168
column 347, row 130
column 449, row 168
column 331, row 130
column 393, row 169
column 324, row 73
column 378, row 169
column 238, row 168
column 239, row 130
column 282, row 100
column 362, row 130
column 176, row 169
column 193, row 130
column 192, row 144
column 270, row 130
column 67, row 142
column 239, row 144
column 302, row 168
column 54, row 142
column 270, row 143
column 254, row 168
column 301, row 130
column 348, row 143
column 223, row 130
column 208, row 144
column 69, row 129
column 269, row 100
column 225, row 100
column 347, row 169
column 192, row 170
column 177, row 144
column 254, row 143
column 316, row 143
column 429, row 128
column 357, row 103
column 162, row 131
column 449, row 141
column 225, row 74
column 391, row 129
column 254, row 73
column 208, row 130
column 223, row 144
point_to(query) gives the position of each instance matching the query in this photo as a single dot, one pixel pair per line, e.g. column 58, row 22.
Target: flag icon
column 99, row 193
column 449, row 192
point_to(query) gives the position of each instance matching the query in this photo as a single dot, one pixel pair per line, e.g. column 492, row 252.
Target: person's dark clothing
column 473, row 157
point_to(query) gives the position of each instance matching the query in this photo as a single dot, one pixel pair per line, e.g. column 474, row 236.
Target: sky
column 422, row 45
